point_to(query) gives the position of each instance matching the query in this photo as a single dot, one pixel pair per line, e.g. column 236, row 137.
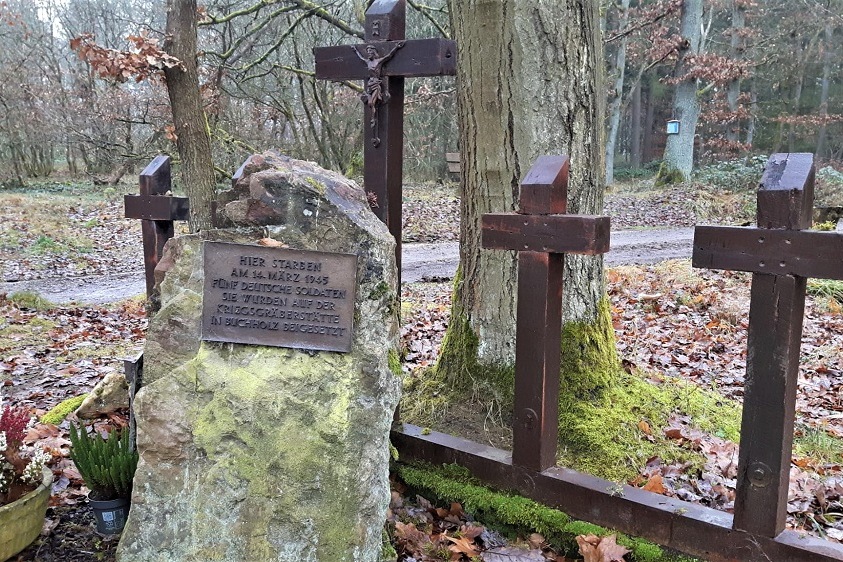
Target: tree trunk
column 679, row 150
column 753, row 112
column 615, row 103
column 194, row 143
column 530, row 83
column 736, row 52
column 824, row 87
column 798, row 86
column 635, row 128
column 649, row 119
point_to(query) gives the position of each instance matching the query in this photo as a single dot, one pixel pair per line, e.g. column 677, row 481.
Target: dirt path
column 422, row 262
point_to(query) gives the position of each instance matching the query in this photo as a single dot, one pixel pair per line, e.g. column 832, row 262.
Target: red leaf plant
column 21, row 466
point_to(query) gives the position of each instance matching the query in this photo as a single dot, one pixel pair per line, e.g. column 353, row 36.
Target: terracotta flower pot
column 21, row 521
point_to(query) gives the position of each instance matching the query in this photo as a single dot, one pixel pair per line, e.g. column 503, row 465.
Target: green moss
column 668, row 176
column 600, row 405
column 252, row 445
column 515, row 515
column 57, row 414
column 317, row 185
column 388, row 553
column 457, row 362
column 394, row 363
column 589, row 356
column 380, row 291
column 602, row 436
column 33, row 333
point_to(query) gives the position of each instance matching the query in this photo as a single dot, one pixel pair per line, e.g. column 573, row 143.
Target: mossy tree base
column 601, row 407
column 668, row 176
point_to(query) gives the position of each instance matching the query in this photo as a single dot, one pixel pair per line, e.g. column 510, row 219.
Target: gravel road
column 422, row 262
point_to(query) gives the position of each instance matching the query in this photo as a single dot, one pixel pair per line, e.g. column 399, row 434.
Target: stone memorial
column 269, row 379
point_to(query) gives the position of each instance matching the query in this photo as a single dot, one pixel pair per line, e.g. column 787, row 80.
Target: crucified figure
column 375, row 92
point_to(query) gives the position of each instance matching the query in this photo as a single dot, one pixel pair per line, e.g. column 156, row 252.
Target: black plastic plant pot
column 110, row 514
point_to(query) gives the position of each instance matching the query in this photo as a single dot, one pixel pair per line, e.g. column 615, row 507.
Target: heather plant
column 21, row 466
column 106, row 465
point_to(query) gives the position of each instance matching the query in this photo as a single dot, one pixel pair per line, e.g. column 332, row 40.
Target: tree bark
column 736, row 52
column 828, row 48
column 753, row 112
column 619, row 71
column 193, row 142
column 530, row 83
column 635, row 128
column 649, row 120
column 679, row 150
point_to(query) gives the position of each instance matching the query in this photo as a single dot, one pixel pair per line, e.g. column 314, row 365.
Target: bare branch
column 426, row 12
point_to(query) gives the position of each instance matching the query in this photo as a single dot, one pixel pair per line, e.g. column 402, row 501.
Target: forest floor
column 670, row 321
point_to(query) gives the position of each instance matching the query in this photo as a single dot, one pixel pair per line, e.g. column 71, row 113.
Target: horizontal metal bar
column 804, row 253
column 156, row 207
column 557, row 234
column 690, row 528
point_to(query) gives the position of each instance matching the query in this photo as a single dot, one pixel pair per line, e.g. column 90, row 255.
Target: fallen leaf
column 463, row 545
column 272, row 243
column 655, row 485
column 596, row 549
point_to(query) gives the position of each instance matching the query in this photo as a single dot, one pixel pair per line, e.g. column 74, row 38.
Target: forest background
column 766, row 74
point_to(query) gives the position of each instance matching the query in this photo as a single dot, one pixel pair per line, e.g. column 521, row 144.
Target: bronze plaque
column 278, row 297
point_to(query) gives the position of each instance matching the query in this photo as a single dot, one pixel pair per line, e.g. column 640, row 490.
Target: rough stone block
column 254, row 453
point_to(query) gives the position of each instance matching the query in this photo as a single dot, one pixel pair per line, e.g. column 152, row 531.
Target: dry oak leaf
column 655, row 484
column 597, row 549
column 463, row 545
column 272, row 243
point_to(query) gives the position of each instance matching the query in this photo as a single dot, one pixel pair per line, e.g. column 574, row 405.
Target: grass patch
column 826, row 288
column 818, row 445
column 27, row 300
column 46, row 245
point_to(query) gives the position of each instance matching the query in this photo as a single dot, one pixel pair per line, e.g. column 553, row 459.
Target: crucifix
column 781, row 256
column 542, row 234
column 383, row 62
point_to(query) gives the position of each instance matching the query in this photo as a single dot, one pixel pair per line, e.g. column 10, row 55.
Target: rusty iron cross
column 383, row 62
column 542, row 234
column 781, row 256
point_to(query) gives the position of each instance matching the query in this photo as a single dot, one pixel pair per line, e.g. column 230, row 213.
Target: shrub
column 743, row 174
column 107, row 465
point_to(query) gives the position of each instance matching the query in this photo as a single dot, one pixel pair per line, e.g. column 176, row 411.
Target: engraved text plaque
column 278, row 297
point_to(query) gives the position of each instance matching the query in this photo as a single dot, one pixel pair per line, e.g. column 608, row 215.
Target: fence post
column 777, row 306
column 541, row 234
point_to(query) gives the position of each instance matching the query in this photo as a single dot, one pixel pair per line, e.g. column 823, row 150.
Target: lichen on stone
column 253, row 452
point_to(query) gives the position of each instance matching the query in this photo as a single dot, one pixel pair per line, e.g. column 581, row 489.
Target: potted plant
column 108, row 467
column 24, row 482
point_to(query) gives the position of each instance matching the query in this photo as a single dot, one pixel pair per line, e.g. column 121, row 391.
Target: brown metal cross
column 158, row 211
column 541, row 234
column 780, row 256
column 383, row 62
